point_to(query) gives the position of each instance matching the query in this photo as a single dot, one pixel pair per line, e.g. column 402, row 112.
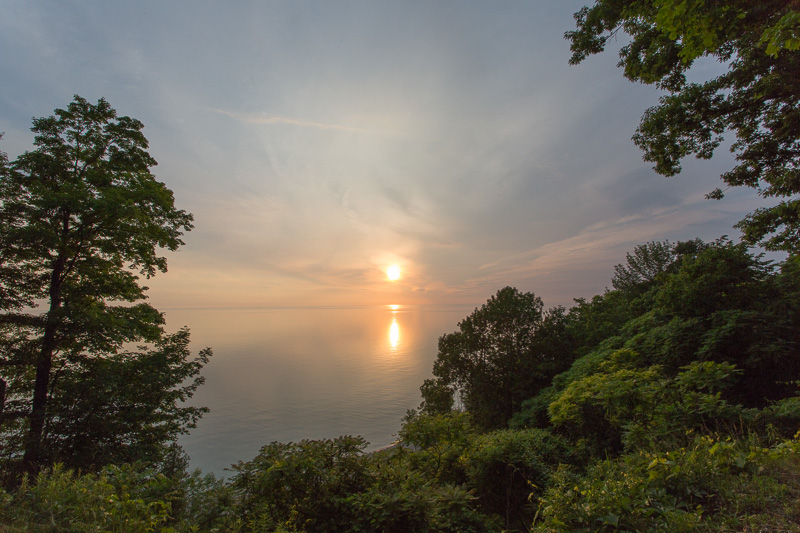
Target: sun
column 393, row 273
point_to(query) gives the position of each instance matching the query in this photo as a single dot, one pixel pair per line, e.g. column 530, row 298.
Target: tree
column 719, row 303
column 438, row 443
column 80, row 216
column 125, row 407
column 641, row 268
column 727, row 305
column 503, row 354
column 756, row 97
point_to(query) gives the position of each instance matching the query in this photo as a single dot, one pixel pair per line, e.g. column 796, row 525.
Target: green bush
column 118, row 499
column 505, row 466
column 404, row 499
column 714, row 485
column 437, row 444
column 306, row 485
column 208, row 504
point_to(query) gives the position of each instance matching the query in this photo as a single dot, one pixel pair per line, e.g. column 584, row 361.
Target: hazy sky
column 317, row 143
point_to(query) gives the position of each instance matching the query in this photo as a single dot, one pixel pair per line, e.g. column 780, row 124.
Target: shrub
column 506, row 465
column 714, row 485
column 118, row 499
column 305, row 485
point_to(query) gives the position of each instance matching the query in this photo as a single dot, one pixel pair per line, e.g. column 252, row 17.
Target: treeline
column 668, row 403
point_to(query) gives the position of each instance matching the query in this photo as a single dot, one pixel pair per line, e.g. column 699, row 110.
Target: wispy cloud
column 274, row 119
column 581, row 265
column 451, row 138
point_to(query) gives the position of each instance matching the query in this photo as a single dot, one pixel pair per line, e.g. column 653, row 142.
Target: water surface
column 307, row 373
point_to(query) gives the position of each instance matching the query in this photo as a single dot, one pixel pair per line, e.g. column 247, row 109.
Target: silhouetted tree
column 80, row 216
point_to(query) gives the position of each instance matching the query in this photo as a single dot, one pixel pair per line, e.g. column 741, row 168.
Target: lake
column 307, row 373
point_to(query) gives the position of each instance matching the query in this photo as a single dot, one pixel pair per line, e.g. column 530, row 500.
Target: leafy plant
column 118, row 500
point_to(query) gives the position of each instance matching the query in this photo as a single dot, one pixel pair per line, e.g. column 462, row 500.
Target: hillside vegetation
column 668, row 403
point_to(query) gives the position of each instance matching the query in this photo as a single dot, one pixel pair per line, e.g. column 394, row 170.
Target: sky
column 319, row 142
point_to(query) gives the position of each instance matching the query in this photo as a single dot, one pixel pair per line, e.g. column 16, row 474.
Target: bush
column 305, row 485
column 437, row 443
column 118, row 499
column 404, row 499
column 506, row 465
column 714, row 485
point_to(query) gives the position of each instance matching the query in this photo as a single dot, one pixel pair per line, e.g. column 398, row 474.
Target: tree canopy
column 501, row 355
column 756, row 98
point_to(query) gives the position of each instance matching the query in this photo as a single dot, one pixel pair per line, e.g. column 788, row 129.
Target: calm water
column 307, row 373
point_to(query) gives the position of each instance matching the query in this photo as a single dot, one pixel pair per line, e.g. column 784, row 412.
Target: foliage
column 642, row 408
column 712, row 485
column 507, row 467
column 756, row 96
column 305, row 485
column 439, row 442
column 726, row 305
column 639, row 277
column 500, row 468
column 125, row 407
column 207, row 503
column 534, row 411
column 437, row 397
column 118, row 499
column 591, row 322
column 710, row 353
column 330, row 485
column 702, row 285
column 643, row 266
column 502, row 354
column 676, row 414
column 80, row 215
column 598, row 406
column 720, row 304
column 403, row 498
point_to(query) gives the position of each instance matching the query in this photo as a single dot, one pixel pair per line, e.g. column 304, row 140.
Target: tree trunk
column 33, row 443
column 32, row 459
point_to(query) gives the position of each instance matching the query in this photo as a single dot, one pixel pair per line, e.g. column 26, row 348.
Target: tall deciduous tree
column 757, row 98
column 502, row 354
column 80, row 216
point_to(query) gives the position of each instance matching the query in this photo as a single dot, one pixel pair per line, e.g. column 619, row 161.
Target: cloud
column 317, row 142
column 272, row 119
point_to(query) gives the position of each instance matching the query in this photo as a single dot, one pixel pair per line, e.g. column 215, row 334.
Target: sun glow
column 393, row 273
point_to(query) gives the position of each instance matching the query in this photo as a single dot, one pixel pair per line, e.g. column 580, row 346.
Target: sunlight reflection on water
column 292, row 374
column 394, row 334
